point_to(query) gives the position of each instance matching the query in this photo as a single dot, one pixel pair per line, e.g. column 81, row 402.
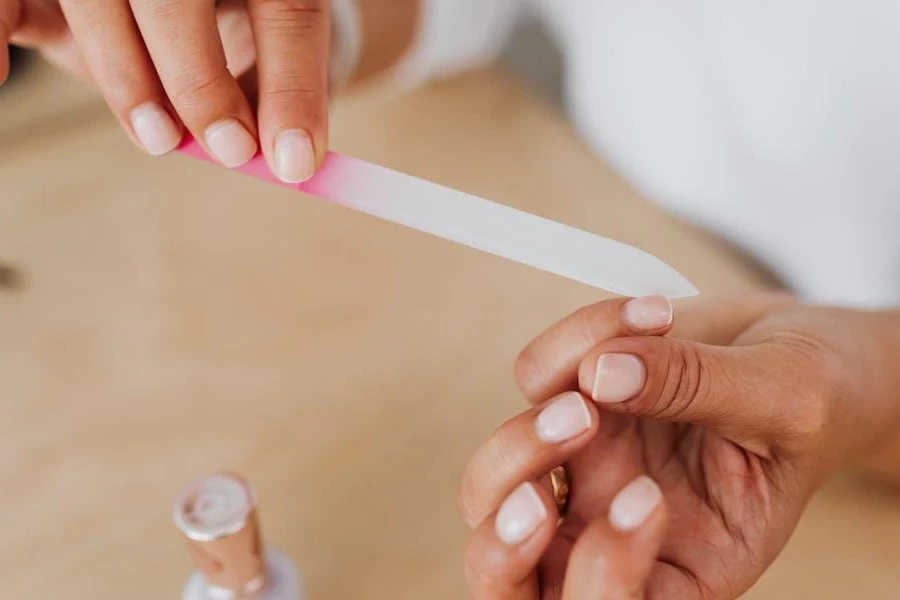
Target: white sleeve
column 455, row 35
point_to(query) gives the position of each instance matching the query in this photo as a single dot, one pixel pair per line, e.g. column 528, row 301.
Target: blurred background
column 161, row 319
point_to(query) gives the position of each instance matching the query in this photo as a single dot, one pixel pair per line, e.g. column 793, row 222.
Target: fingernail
column 155, row 129
column 520, row 515
column 618, row 378
column 295, row 159
column 631, row 506
column 649, row 313
column 563, row 419
column 230, row 142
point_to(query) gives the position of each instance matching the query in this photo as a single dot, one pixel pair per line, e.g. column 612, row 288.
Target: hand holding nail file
column 481, row 224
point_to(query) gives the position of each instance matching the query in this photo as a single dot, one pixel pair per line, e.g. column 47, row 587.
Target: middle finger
column 549, row 364
column 183, row 39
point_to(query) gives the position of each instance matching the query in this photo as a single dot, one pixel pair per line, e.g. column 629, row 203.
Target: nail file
column 481, row 224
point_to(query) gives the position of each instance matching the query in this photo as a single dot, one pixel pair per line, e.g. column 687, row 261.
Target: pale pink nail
column 155, row 129
column 230, row 142
column 295, row 159
column 520, row 515
column 649, row 313
column 631, row 506
column 619, row 377
column 563, row 419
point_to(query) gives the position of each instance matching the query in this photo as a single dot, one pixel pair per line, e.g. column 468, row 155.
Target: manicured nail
column 155, row 129
column 563, row 419
column 230, row 142
column 619, row 377
column 649, row 313
column 520, row 515
column 631, row 506
column 295, row 159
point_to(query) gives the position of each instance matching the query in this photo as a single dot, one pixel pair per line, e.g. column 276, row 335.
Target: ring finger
column 525, row 448
column 119, row 65
column 182, row 37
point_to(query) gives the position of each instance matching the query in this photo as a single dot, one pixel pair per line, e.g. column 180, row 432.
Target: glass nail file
column 481, row 224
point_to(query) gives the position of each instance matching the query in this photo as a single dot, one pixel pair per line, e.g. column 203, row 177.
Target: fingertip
column 550, row 363
column 156, row 131
column 614, row 556
column 613, row 377
column 294, row 156
column 635, row 504
column 648, row 314
column 528, row 510
column 566, row 418
column 230, row 142
column 526, row 447
column 506, row 549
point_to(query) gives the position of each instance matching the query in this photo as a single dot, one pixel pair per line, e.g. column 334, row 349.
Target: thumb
column 739, row 392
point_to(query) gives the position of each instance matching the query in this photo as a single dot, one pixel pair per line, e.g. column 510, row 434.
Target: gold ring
column 559, row 482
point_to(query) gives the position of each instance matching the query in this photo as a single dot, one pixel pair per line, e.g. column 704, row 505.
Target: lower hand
column 168, row 65
column 737, row 414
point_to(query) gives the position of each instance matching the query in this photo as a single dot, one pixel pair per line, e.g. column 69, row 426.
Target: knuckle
column 527, row 368
column 818, row 372
column 810, row 416
column 192, row 86
column 510, row 447
column 502, row 455
column 684, row 380
column 123, row 85
column 585, row 324
column 294, row 90
column 533, row 368
column 295, row 16
column 164, row 9
column 501, row 449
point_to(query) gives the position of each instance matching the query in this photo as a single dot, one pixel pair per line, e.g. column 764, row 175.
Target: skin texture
column 747, row 405
column 166, row 67
column 170, row 54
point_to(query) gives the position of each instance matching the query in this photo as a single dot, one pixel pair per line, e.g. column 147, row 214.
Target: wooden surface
column 175, row 319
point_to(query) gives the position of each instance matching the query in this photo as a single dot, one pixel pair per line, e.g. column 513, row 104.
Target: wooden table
column 176, row 319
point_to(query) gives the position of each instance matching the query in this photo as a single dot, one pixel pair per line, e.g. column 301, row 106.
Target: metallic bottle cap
column 217, row 515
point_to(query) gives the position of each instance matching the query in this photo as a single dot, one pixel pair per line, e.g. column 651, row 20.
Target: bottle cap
column 218, row 516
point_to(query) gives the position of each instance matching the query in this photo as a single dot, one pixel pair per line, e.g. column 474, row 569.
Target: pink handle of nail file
column 481, row 224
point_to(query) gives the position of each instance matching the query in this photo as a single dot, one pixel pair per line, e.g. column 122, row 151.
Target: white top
column 775, row 123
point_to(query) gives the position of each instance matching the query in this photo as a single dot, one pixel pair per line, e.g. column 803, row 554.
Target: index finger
column 549, row 365
column 293, row 46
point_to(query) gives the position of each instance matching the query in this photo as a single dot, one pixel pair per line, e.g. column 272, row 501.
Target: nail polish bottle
column 218, row 517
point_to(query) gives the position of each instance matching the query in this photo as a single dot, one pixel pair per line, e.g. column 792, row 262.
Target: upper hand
column 738, row 414
column 168, row 65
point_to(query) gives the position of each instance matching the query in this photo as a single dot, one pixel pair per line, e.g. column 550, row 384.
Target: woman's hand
column 738, row 415
column 161, row 66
